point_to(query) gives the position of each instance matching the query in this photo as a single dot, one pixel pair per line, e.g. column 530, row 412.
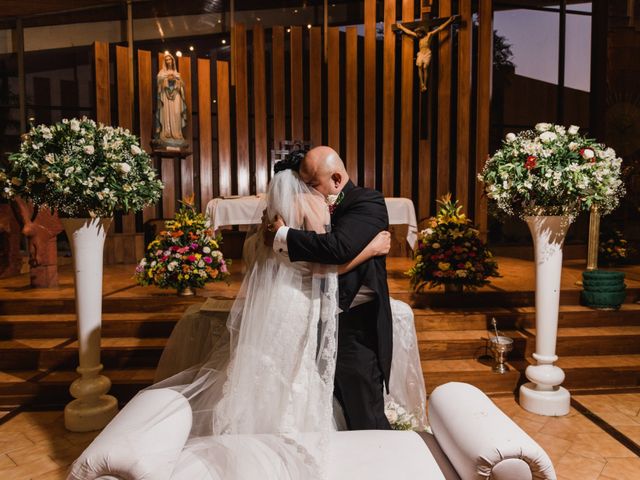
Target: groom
column 365, row 329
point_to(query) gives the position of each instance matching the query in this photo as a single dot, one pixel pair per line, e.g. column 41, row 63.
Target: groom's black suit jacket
column 360, row 216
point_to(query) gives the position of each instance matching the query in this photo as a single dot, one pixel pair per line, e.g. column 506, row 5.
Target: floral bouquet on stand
column 184, row 256
column 450, row 252
column 613, row 248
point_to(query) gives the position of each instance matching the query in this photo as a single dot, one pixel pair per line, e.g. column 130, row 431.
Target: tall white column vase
column 544, row 395
column 92, row 409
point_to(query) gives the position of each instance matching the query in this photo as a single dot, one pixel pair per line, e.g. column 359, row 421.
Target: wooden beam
column 242, row 109
column 297, row 110
column 351, row 104
column 388, row 99
column 444, row 105
column 315, row 85
column 485, row 38
column 186, row 164
column 224, row 128
column 463, row 117
column 103, row 85
column 333, row 89
column 125, row 114
column 204, row 131
column 406, row 105
column 260, row 110
column 277, row 60
column 370, row 85
column 145, row 110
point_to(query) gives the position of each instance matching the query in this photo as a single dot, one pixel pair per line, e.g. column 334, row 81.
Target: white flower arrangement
column 81, row 168
column 399, row 418
column 553, row 170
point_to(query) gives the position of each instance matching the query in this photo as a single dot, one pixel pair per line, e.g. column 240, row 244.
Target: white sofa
column 472, row 439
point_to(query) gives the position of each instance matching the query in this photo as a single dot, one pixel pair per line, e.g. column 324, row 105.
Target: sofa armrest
column 143, row 441
column 480, row 440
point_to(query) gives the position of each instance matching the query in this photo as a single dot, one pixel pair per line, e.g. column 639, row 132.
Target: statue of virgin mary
column 171, row 113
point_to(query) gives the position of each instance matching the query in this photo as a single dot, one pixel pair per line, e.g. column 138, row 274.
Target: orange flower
column 213, row 273
column 177, row 233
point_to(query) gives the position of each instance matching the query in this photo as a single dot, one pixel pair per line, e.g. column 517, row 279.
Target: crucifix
column 422, row 30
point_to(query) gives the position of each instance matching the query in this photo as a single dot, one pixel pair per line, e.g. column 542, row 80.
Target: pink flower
column 223, row 268
column 191, row 258
column 207, row 259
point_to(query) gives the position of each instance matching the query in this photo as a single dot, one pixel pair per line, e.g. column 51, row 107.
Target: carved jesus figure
column 424, row 36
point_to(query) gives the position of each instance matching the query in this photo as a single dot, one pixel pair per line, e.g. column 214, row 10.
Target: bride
column 272, row 372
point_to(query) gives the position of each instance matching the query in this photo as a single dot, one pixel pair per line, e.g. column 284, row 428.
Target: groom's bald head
column 323, row 169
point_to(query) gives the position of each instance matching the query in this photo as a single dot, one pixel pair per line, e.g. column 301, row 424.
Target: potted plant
column 185, row 256
column 547, row 176
column 450, row 252
column 87, row 172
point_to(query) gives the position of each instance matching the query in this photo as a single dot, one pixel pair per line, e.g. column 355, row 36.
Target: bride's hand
column 380, row 245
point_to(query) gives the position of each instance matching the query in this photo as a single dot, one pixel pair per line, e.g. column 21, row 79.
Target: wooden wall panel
column 315, row 85
column 242, row 109
column 406, row 104
column 277, row 59
column 145, row 113
column 388, row 99
column 333, row 89
column 297, row 110
column 463, row 129
column 483, row 103
column 260, row 110
column 103, row 87
column 224, row 128
column 204, row 131
column 125, row 113
column 351, row 104
column 187, row 171
column 444, row 104
column 370, row 86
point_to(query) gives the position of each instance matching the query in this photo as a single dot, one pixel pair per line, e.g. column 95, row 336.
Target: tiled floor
column 35, row 445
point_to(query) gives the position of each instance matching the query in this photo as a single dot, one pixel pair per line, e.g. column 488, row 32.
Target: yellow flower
column 444, row 266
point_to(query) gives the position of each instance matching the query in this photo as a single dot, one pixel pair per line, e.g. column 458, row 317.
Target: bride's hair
column 291, row 162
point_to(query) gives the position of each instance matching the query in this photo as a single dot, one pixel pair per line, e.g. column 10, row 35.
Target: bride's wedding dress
column 272, row 371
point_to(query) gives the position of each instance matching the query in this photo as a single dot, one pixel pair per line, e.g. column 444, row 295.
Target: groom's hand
column 270, row 229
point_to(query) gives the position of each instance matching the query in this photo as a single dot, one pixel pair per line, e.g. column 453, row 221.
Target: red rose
column 531, row 162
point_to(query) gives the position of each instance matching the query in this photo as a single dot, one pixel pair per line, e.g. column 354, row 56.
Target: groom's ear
column 336, row 178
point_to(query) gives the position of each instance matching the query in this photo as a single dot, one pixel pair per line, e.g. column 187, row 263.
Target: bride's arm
column 380, row 245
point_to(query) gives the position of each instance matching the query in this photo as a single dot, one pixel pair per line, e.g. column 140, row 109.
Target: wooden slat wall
column 277, row 60
column 463, row 129
column 125, row 113
column 315, row 85
column 351, row 104
column 333, row 89
column 204, row 131
column 369, row 93
column 260, row 110
column 242, row 109
column 444, row 104
column 483, row 103
column 186, row 164
column 388, row 99
column 406, row 105
column 297, row 112
column 145, row 108
column 224, row 128
column 103, row 87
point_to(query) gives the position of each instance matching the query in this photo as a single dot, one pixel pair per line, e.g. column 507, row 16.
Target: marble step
column 62, row 353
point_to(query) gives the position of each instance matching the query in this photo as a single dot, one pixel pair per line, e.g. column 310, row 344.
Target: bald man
column 365, row 330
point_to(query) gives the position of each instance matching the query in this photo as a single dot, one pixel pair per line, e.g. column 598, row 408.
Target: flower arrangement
column 399, row 418
column 552, row 170
column 614, row 248
column 82, row 169
column 450, row 252
column 185, row 255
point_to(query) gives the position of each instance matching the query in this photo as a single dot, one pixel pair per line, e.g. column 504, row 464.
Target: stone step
column 62, row 353
column 429, row 319
column 145, row 324
column 578, row 341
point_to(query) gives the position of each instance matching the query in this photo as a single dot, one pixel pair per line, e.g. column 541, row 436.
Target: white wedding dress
column 272, row 371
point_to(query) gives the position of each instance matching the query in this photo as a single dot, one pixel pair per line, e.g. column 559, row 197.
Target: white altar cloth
column 247, row 210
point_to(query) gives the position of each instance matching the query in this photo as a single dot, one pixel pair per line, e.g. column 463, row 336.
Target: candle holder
column 500, row 346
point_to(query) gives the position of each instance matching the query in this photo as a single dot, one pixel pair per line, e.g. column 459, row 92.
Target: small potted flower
column 450, row 252
column 185, row 256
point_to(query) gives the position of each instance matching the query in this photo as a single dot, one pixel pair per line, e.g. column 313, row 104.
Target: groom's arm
column 352, row 232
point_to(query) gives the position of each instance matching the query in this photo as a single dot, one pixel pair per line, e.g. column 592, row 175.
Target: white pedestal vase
column 92, row 409
column 544, row 395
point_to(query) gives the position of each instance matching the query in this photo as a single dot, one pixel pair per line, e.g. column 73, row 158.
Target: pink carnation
column 191, row 258
column 207, row 259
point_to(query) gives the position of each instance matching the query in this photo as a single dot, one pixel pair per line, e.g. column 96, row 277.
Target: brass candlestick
column 594, row 238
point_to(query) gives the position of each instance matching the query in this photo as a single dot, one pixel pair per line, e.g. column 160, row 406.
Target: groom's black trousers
column 359, row 379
